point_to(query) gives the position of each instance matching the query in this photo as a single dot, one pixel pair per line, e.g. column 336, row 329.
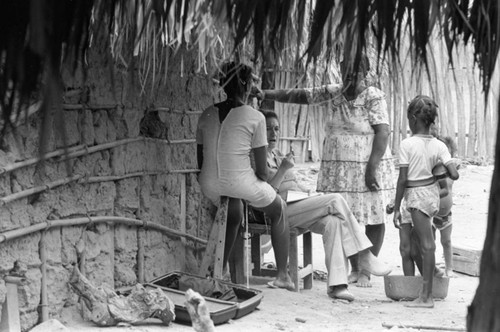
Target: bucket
column 398, row 287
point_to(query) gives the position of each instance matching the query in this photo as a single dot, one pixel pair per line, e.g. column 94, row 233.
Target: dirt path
column 312, row 310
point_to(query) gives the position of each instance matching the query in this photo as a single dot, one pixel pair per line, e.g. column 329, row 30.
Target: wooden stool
column 255, row 231
column 211, row 264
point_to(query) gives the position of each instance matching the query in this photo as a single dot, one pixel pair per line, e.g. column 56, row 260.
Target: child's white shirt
column 420, row 153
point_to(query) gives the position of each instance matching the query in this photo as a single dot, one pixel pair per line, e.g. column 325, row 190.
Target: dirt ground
column 313, row 310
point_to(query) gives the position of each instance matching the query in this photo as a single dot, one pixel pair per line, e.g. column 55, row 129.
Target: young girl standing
column 418, row 155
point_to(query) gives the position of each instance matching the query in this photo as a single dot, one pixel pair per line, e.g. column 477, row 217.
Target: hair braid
column 424, row 108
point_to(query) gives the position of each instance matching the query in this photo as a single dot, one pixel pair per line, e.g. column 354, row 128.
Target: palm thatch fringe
column 43, row 36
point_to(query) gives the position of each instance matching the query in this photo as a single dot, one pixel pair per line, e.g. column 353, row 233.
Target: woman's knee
column 276, row 209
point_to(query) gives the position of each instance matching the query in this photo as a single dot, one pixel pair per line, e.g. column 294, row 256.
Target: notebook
column 294, row 196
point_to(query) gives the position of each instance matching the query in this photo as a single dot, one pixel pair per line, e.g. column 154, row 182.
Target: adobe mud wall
column 126, row 178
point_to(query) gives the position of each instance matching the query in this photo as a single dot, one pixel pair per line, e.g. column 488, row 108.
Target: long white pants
column 343, row 236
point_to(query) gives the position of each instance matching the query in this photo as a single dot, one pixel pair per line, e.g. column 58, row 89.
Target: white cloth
column 421, row 153
column 330, row 216
column 226, row 169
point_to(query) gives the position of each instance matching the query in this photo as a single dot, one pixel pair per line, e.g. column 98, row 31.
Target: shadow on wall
column 152, row 126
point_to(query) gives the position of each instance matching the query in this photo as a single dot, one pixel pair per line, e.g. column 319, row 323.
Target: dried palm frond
column 37, row 38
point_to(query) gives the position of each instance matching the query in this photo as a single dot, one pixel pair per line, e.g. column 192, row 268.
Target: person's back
column 237, row 138
column 423, row 154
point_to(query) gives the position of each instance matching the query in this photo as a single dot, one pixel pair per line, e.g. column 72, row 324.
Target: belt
column 420, row 183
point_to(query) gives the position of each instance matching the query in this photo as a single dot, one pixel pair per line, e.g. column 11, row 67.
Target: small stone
column 300, row 320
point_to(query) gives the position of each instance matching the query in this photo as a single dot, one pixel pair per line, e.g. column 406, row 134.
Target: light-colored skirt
column 343, row 169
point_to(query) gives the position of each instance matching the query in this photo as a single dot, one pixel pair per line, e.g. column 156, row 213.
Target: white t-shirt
column 420, row 153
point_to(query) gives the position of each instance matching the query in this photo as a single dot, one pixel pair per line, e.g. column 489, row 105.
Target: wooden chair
column 255, row 230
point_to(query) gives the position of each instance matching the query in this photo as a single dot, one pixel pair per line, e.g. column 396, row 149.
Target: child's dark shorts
column 441, row 222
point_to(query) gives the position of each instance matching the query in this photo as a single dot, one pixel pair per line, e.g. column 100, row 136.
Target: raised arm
column 314, row 95
column 294, row 96
column 278, row 177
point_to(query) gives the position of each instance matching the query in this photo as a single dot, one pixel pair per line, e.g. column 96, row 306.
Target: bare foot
column 449, row 273
column 370, row 263
column 353, row 277
column 421, row 303
column 280, row 283
column 340, row 292
column 364, row 280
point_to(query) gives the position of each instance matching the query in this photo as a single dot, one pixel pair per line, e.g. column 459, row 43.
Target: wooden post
column 141, row 239
column 183, row 207
column 43, row 268
column 308, row 259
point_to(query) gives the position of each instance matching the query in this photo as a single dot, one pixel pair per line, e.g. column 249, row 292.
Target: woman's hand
column 371, row 180
column 257, row 93
column 397, row 219
column 288, row 161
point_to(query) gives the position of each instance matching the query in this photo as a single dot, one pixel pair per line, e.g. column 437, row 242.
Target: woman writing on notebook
column 328, row 215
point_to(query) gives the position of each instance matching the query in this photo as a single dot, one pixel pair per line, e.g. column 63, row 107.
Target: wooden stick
column 106, row 178
column 32, row 161
column 296, row 138
column 9, row 235
column 82, row 179
column 180, row 141
column 141, row 235
column 110, row 145
column 73, row 107
column 80, row 150
column 100, row 147
column 43, row 268
column 15, row 280
column 166, row 109
column 424, row 327
column 183, row 207
column 31, row 191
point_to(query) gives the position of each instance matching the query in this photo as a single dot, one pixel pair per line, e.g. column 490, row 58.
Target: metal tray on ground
column 220, row 310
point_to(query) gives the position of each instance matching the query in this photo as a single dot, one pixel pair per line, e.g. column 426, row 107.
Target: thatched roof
column 38, row 37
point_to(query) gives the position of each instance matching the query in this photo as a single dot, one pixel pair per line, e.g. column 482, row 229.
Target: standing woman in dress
column 356, row 161
column 227, row 133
